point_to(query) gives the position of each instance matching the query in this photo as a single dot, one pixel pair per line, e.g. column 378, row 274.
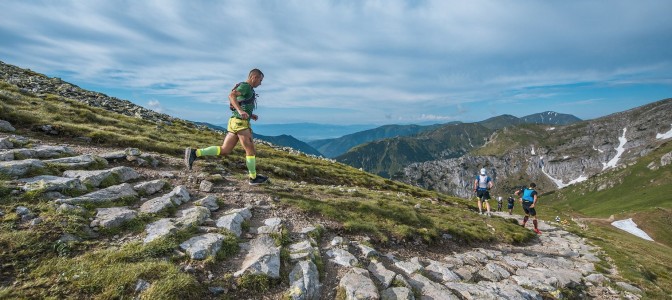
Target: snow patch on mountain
column 619, row 151
column 630, row 226
column 664, row 136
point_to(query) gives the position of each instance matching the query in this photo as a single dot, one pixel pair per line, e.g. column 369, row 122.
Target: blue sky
column 350, row 61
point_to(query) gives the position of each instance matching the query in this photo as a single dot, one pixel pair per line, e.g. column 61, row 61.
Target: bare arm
column 535, row 201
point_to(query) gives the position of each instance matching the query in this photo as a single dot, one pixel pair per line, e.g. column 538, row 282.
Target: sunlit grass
column 637, row 192
column 393, row 215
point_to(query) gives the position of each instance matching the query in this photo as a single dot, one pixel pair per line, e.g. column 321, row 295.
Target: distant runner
column 482, row 186
column 510, row 201
column 529, row 199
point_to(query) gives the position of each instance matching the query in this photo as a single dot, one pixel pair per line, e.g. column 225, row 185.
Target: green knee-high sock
column 251, row 162
column 210, row 151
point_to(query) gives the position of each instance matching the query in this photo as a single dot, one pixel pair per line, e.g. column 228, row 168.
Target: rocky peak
column 553, row 156
column 550, row 117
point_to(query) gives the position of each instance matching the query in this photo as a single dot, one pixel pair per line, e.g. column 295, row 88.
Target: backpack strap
column 249, row 100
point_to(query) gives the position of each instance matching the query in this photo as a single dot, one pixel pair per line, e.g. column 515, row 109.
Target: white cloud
column 436, row 118
column 374, row 58
column 155, row 105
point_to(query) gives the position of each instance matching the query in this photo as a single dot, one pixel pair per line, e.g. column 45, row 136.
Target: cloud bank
column 353, row 61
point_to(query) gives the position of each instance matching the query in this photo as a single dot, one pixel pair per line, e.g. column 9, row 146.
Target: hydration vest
column 527, row 195
column 251, row 99
column 483, row 182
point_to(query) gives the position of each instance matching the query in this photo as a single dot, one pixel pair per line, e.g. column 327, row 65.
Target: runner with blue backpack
column 482, row 186
column 529, row 199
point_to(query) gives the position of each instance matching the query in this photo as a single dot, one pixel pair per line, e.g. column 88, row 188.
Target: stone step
column 110, row 217
column 232, row 220
column 115, row 192
column 175, row 198
column 148, row 188
column 194, row 216
column 203, row 246
column 21, row 168
column 132, row 155
column 109, row 177
column 262, row 258
column 12, row 141
column 48, row 183
column 38, row 152
column 304, row 281
column 85, row 161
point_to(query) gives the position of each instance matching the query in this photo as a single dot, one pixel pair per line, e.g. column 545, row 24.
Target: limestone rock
column 113, row 216
column 304, row 281
column 356, row 284
column 209, row 202
column 115, row 192
column 6, row 126
column 263, row 258
column 203, row 246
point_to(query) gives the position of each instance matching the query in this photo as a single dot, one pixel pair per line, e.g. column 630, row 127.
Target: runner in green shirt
column 242, row 101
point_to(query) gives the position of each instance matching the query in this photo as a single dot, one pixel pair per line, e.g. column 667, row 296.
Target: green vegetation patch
column 113, row 273
column 387, row 215
column 644, row 263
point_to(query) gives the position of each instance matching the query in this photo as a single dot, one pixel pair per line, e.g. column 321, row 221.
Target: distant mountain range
column 338, row 146
column 387, row 157
column 360, row 134
column 387, row 149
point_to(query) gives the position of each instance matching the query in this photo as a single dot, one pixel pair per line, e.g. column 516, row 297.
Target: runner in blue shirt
column 529, row 199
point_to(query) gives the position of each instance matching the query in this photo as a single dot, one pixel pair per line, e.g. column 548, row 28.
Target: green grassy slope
column 34, row 265
column 633, row 189
column 109, row 129
column 637, row 192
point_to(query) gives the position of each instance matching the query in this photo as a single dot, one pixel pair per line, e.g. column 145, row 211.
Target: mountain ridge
column 553, row 156
column 337, row 146
column 394, row 160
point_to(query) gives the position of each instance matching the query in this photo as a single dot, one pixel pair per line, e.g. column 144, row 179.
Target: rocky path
column 124, row 184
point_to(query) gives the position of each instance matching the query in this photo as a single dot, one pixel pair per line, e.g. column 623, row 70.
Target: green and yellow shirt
column 246, row 99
